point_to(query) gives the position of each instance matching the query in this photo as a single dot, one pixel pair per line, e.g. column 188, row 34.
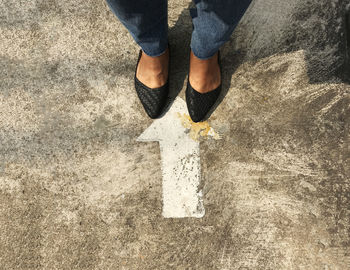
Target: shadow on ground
column 323, row 37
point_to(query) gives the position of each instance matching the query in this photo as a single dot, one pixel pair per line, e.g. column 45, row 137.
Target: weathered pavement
column 77, row 191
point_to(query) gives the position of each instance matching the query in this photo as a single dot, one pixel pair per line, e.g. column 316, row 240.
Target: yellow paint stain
column 197, row 130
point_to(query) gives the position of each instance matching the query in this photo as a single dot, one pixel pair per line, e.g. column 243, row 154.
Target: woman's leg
column 146, row 21
column 213, row 22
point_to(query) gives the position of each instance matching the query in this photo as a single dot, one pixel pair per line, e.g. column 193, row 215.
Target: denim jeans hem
column 213, row 22
column 201, row 57
column 155, row 54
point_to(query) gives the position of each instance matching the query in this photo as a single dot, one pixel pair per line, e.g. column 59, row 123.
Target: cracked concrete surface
column 77, row 191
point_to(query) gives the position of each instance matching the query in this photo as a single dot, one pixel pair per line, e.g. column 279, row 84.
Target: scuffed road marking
column 180, row 160
column 197, row 130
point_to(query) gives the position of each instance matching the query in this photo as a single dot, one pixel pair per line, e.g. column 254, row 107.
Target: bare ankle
column 153, row 71
column 205, row 74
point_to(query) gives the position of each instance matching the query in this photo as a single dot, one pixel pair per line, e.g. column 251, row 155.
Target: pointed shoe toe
column 153, row 100
column 199, row 104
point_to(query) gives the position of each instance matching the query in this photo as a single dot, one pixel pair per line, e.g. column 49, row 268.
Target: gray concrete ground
column 79, row 192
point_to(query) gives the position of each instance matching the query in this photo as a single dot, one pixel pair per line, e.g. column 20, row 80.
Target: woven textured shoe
column 199, row 104
column 153, row 100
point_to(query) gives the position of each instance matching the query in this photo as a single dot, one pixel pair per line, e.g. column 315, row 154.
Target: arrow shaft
column 181, row 177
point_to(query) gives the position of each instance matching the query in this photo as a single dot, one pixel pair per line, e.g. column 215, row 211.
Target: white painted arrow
column 180, row 163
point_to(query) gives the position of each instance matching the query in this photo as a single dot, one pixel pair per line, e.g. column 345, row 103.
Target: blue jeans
column 147, row 22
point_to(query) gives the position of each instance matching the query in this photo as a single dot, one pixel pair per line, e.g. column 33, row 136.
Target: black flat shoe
column 199, row 104
column 152, row 99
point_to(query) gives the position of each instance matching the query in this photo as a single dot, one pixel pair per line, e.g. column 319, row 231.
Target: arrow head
column 167, row 127
column 176, row 124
